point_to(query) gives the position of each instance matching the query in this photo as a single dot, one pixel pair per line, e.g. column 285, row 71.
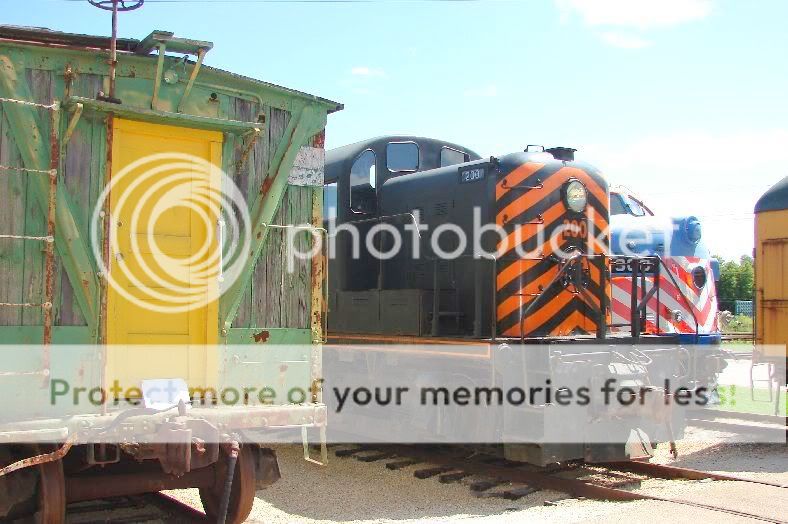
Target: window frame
column 369, row 179
column 622, row 204
column 466, row 157
column 335, row 200
column 628, row 201
column 418, row 156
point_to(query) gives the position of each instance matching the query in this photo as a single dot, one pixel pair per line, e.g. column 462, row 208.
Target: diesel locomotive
column 434, row 244
column 689, row 303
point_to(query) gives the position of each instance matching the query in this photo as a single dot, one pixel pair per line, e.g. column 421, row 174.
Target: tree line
column 737, row 281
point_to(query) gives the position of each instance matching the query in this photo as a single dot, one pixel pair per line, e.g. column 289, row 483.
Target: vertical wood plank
column 33, row 276
column 270, row 303
column 12, row 221
column 79, row 178
column 242, row 110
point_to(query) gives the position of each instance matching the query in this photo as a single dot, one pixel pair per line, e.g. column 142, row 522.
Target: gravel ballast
column 348, row 490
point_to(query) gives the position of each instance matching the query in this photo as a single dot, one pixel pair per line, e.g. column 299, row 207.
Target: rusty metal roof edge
column 334, row 105
column 128, row 45
column 46, row 35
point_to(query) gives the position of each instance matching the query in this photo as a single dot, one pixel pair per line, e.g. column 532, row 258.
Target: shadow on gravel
column 736, row 458
column 349, row 489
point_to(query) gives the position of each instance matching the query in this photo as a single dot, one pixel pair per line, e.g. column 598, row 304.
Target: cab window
column 362, row 184
column 450, row 156
column 617, row 206
column 634, row 207
column 329, row 201
column 402, row 157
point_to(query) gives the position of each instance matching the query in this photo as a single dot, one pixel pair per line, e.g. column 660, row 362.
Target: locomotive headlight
column 699, row 277
column 693, row 230
column 575, row 196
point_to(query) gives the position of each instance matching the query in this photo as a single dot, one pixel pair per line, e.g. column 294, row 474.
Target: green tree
column 727, row 285
column 745, row 279
column 737, row 281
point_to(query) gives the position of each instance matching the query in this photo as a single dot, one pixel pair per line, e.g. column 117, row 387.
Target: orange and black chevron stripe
column 539, row 227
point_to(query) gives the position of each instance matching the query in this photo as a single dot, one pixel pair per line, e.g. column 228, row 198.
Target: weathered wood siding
column 13, row 188
column 275, row 297
column 22, row 261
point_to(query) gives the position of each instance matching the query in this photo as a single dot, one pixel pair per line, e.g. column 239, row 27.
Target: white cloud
column 624, row 41
column 367, row 71
column 641, row 14
column 715, row 176
column 486, row 91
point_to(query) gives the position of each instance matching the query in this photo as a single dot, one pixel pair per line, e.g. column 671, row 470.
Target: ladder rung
column 45, row 305
column 28, row 237
column 26, row 103
column 29, row 170
column 43, row 372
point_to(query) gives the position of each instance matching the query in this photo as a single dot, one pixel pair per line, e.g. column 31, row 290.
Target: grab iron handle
column 220, row 238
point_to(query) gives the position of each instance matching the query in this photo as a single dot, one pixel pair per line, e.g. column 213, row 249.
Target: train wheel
column 51, row 493
column 242, row 494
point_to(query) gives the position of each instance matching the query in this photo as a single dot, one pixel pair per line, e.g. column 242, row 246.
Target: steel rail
column 676, row 472
column 168, row 502
column 575, row 486
column 149, row 507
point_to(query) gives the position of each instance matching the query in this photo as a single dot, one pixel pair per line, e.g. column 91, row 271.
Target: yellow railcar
column 771, row 272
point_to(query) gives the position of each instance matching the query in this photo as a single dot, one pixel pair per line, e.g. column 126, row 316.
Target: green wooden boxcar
column 64, row 135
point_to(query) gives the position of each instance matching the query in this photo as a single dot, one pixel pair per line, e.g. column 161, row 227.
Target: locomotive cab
column 467, row 244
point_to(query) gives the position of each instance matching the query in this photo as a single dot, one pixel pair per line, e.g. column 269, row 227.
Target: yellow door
column 161, row 301
column 771, row 282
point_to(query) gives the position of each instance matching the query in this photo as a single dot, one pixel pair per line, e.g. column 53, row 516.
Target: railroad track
column 488, row 476
column 737, row 336
column 149, row 508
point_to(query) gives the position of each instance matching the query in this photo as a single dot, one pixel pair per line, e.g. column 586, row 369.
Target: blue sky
column 683, row 101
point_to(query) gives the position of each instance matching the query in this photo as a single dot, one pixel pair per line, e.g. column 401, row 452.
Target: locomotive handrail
column 683, row 297
column 565, row 268
column 539, row 185
column 494, row 300
column 381, row 218
column 477, row 288
column 655, row 290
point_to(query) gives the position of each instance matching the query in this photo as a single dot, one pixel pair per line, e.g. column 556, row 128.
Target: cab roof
column 338, row 160
column 775, row 199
